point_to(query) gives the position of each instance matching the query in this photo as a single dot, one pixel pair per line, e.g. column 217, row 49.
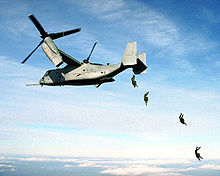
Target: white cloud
column 100, row 7
column 138, row 170
column 68, row 166
column 187, row 169
column 143, row 23
column 132, row 167
column 203, row 167
column 117, row 126
column 94, row 164
column 61, row 107
column 151, row 25
column 6, row 166
column 44, row 159
column 210, row 166
column 13, row 170
column 140, row 167
column 17, row 70
column 136, row 162
column 2, row 157
column 15, row 19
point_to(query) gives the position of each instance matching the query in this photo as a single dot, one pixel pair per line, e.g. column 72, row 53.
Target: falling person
column 182, row 119
column 134, row 83
column 198, row 154
column 146, row 98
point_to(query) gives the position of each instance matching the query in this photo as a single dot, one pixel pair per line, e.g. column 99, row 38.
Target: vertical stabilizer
column 129, row 56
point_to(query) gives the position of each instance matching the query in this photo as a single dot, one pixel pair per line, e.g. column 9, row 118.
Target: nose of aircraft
column 42, row 81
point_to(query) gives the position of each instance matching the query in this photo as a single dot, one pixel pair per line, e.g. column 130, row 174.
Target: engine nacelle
column 50, row 49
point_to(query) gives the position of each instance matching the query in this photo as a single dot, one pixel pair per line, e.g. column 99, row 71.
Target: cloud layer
column 109, row 166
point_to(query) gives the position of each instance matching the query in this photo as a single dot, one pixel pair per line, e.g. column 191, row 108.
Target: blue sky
column 181, row 40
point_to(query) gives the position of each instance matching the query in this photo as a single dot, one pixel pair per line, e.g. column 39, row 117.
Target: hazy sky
column 181, row 39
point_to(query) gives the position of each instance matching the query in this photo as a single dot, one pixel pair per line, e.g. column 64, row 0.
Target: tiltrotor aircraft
column 83, row 73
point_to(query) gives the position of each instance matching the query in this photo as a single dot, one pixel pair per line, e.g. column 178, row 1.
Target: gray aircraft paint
column 82, row 73
column 77, row 73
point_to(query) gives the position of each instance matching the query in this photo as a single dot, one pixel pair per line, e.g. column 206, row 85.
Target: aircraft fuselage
column 85, row 74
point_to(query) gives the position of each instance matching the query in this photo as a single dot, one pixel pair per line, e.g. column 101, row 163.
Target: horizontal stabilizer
column 140, row 67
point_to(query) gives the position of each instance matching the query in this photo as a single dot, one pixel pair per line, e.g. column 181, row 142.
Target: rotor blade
column 38, row 26
column 32, row 52
column 62, row 34
column 32, row 84
column 92, row 50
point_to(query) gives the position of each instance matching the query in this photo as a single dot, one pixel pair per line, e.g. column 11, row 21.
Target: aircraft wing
column 68, row 59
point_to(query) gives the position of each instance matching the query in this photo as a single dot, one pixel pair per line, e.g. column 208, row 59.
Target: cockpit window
column 47, row 73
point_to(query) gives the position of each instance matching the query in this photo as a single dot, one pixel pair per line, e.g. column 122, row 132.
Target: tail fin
column 130, row 58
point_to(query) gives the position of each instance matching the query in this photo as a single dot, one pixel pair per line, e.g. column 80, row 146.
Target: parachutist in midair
column 134, row 83
column 146, row 98
column 198, row 154
column 182, row 119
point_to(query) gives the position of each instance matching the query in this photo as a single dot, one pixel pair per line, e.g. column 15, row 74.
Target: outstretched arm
column 197, row 148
